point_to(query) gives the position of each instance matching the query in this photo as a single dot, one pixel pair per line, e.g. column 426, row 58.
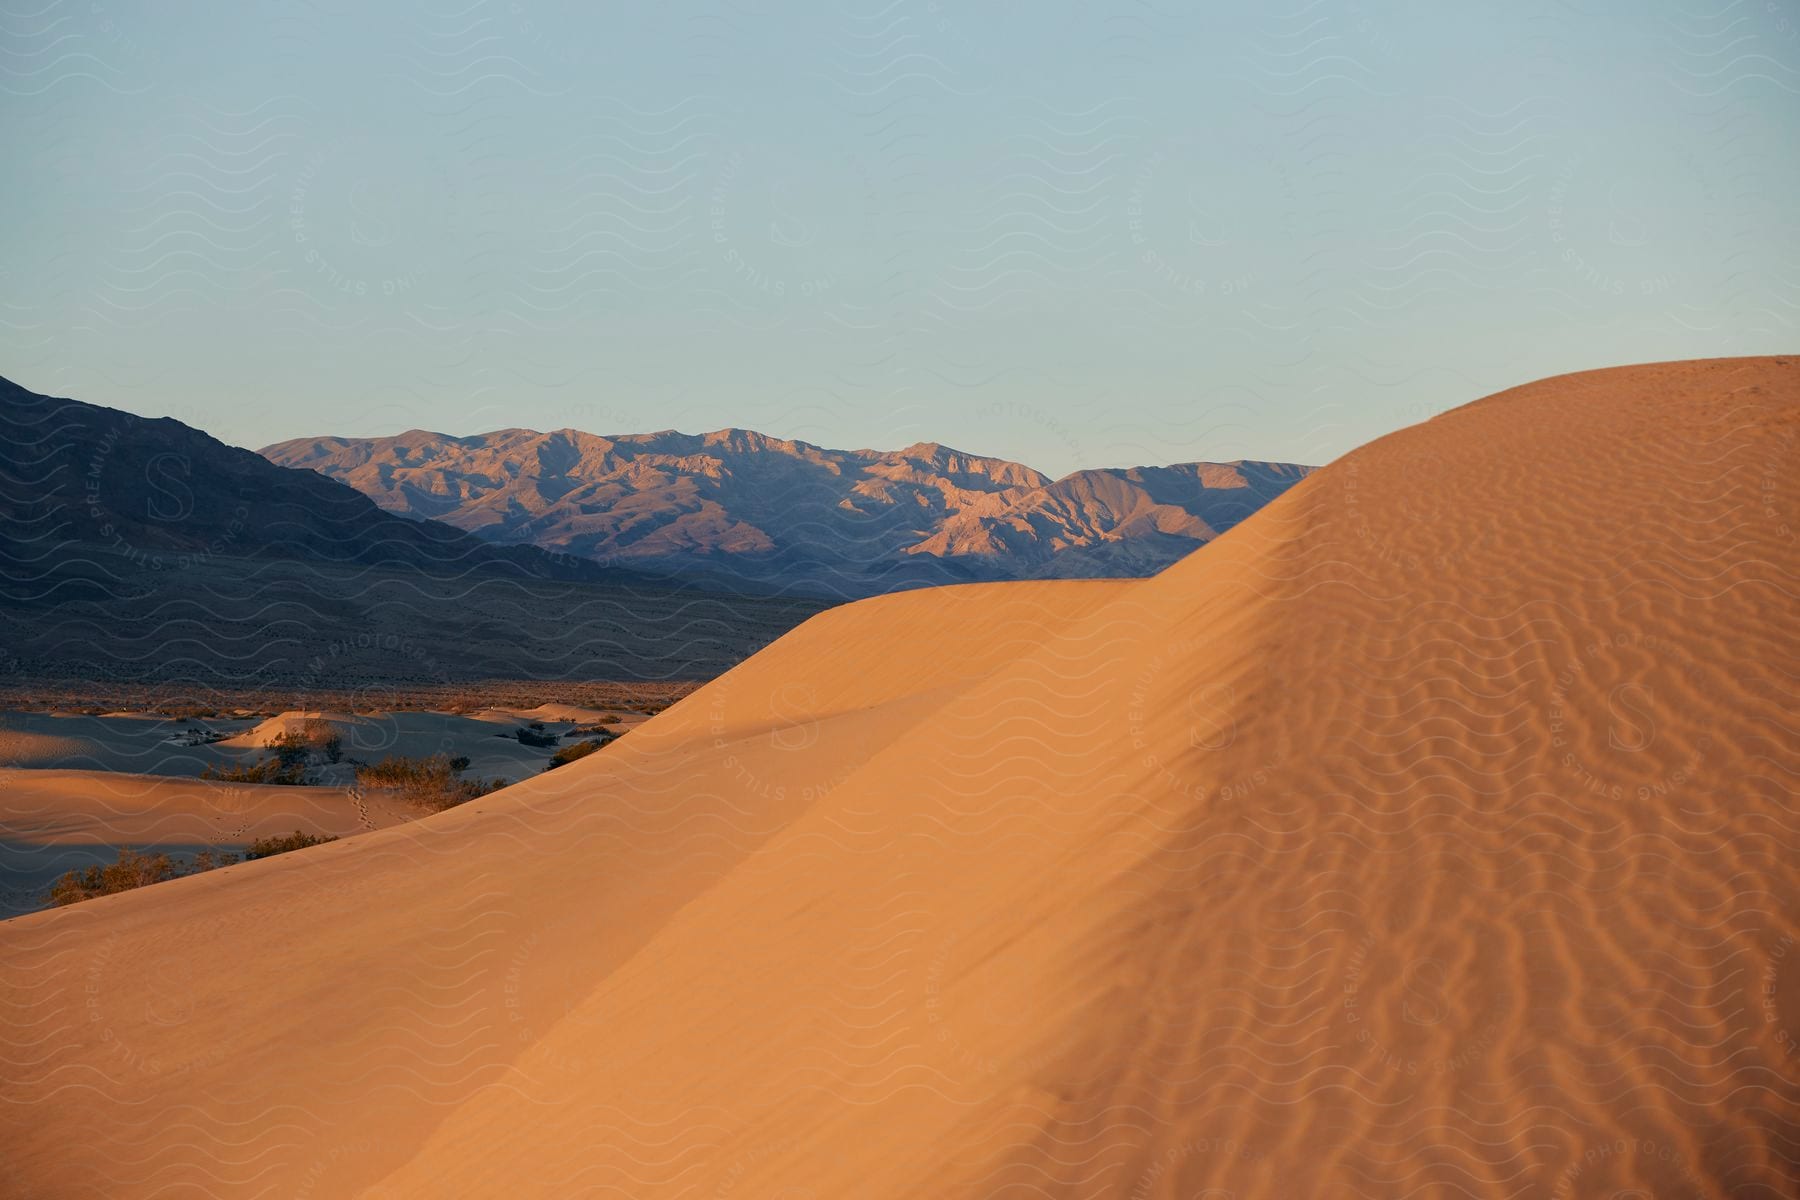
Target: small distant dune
column 53, row 821
column 1432, row 832
column 573, row 713
column 131, row 742
column 76, row 788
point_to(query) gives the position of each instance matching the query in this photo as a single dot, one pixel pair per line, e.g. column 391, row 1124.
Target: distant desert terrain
column 75, row 788
column 1430, row 833
column 137, row 551
column 52, row 821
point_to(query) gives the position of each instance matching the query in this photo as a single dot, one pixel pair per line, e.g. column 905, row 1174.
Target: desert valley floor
column 1432, row 833
column 75, row 787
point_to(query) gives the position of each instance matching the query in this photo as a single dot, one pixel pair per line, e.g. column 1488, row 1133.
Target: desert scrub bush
column 269, row 770
column 133, row 869
column 267, row 847
column 290, row 756
column 276, row 769
column 530, row 736
column 316, row 733
column 569, row 754
column 206, row 860
column 432, row 782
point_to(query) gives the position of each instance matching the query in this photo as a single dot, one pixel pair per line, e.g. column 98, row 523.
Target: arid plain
column 1430, row 833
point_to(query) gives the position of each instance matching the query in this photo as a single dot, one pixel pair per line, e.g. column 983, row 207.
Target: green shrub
column 270, row 846
column 132, row 870
column 569, row 754
column 536, row 737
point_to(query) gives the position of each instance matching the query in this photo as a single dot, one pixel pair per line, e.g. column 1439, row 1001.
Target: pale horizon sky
column 1072, row 235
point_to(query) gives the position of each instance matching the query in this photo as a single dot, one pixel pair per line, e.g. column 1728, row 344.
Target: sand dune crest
column 1430, row 833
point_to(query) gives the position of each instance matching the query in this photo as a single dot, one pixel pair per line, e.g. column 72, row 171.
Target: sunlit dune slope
column 1430, row 833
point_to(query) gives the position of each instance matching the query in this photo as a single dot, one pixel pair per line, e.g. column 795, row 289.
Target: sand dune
column 488, row 739
column 1432, row 833
column 52, row 821
column 133, row 782
column 142, row 743
column 147, row 744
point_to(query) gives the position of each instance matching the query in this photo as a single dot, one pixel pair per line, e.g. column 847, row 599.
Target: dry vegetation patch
column 434, row 781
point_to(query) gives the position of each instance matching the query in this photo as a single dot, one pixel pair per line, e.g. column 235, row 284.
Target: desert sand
column 488, row 739
column 149, row 744
column 140, row 743
column 52, row 821
column 1431, row 833
column 94, row 784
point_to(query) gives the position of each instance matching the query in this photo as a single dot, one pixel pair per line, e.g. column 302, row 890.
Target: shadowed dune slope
column 1432, row 833
column 55, row 820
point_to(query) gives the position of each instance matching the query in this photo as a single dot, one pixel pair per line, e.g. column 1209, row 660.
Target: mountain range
column 747, row 509
column 170, row 494
column 137, row 549
column 141, row 549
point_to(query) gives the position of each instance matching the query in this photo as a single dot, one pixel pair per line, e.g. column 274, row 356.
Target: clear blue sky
column 1073, row 234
